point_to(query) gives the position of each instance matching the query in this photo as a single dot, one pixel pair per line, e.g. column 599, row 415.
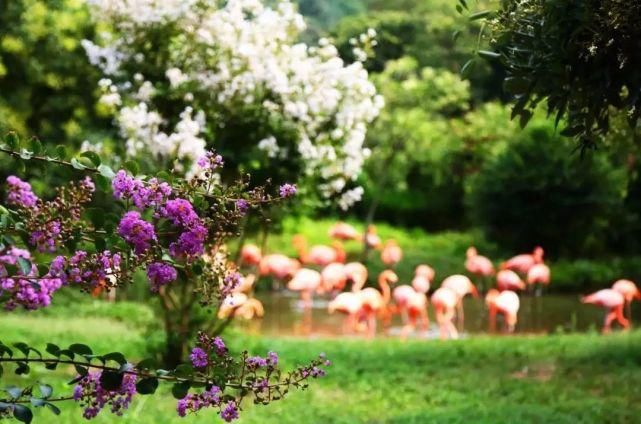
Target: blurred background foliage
column 446, row 156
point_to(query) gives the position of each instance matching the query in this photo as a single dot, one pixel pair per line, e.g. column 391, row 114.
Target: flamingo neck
column 385, row 289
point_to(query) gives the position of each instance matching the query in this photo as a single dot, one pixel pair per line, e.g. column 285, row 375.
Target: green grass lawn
column 547, row 379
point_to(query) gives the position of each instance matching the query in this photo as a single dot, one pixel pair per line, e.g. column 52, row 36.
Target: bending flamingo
column 375, row 303
column 613, row 301
column 478, row 265
column 357, row 273
column 416, row 313
column 334, row 278
column 509, row 280
column 505, row 303
column 280, row 267
column 462, row 286
column 343, row 231
column 306, row 281
column 350, row 304
column 445, row 301
column 372, row 240
column 250, row 254
column 320, row 255
column 539, row 274
column 523, row 263
column 402, row 295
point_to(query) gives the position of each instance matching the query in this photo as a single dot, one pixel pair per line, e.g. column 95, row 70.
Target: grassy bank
column 562, row 378
column 445, row 252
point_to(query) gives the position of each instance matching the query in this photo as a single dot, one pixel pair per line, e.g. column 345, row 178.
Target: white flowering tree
column 182, row 76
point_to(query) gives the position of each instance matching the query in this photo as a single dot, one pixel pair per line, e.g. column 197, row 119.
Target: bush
column 537, row 192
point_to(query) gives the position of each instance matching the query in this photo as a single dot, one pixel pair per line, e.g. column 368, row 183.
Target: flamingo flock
column 323, row 270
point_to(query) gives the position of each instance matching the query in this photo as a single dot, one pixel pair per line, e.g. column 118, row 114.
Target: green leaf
column 146, row 364
column 25, row 266
column 51, row 365
column 22, row 368
column 488, row 54
column 106, row 171
column 80, row 349
column 61, row 151
column 14, row 392
column 46, row 390
column 516, row 85
column 480, row 15
column 76, row 164
column 35, row 145
column 82, row 371
column 467, row 68
column 96, row 216
column 116, row 357
column 526, row 115
column 184, row 370
column 22, row 347
column 37, row 402
column 132, row 166
column 22, row 413
column 53, row 349
column 93, row 157
column 147, row 386
column 111, row 380
column 180, row 390
column 53, row 408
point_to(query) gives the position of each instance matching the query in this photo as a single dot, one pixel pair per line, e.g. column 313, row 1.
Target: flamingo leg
column 609, row 317
column 371, row 325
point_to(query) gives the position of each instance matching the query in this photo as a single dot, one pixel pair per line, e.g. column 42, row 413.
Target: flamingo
column 334, row 277
column 320, row 255
column 462, row 286
column 425, row 271
column 630, row 291
column 509, row 280
column 478, row 265
column 445, row 301
column 372, row 240
column 239, row 304
column 343, row 231
column 391, row 253
column 421, row 284
column 357, row 273
column 250, row 254
column 417, row 313
column 306, row 281
column 402, row 295
column 539, row 274
column 350, row 304
column 506, row 303
column 613, row 301
column 278, row 266
column 375, row 302
column 523, row 263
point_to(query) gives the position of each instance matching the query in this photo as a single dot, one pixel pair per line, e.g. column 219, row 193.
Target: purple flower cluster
column 30, row 293
column 160, row 274
column 211, row 160
column 88, row 185
column 230, row 282
column 194, row 402
column 94, row 398
column 45, row 239
column 20, row 193
column 242, row 206
column 199, row 358
column 256, row 362
column 137, row 232
column 81, row 268
column 229, row 412
column 215, row 344
column 287, row 190
column 191, row 241
column 144, row 195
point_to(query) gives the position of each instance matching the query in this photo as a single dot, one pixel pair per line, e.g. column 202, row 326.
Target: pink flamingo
column 462, row 286
column 630, row 291
column 278, row 266
column 402, row 295
column 417, row 314
column 478, row 265
column 357, row 273
column 334, row 277
column 392, row 253
column 343, row 231
column 375, row 303
column 539, row 274
column 523, row 263
column 509, row 280
column 250, row 254
column 425, row 271
column 306, row 281
column 372, row 240
column 613, row 301
column 506, row 303
column 320, row 255
column 445, row 301
column 350, row 304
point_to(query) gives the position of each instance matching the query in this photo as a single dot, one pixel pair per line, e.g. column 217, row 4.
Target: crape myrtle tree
column 184, row 76
column 582, row 58
column 171, row 228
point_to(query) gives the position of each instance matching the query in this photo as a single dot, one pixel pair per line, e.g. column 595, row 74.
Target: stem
column 50, row 160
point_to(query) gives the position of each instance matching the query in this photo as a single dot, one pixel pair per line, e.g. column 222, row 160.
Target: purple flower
column 255, row 362
column 20, row 193
column 136, row 231
column 124, row 185
column 199, row 358
column 221, row 349
column 190, row 243
column 287, row 190
column 272, row 357
column 153, row 194
column 210, row 161
column 94, row 398
column 180, row 212
column 88, row 184
column 160, row 274
column 229, row 412
column 242, row 206
column 45, row 239
column 182, row 406
column 194, row 402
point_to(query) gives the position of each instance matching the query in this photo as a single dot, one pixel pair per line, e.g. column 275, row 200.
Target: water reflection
column 285, row 316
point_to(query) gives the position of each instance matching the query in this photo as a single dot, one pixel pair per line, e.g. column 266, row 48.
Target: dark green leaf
column 467, row 68
column 80, row 349
column 22, row 368
column 12, row 140
column 53, row 408
column 488, row 54
column 96, row 216
column 147, row 386
column 116, row 357
column 146, row 364
column 35, row 145
column 111, row 380
column 516, row 85
column 180, row 390
column 53, row 349
column 61, row 151
column 82, row 371
column 92, row 156
column 25, row 266
column 22, row 413
column 132, row 166
column 22, row 347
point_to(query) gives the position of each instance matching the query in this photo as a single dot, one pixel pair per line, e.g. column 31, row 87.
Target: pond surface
column 284, row 316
